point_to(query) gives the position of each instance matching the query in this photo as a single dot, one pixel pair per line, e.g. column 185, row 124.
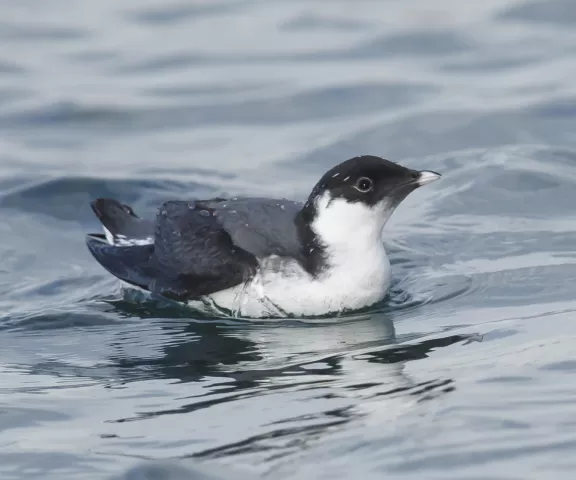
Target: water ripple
column 463, row 371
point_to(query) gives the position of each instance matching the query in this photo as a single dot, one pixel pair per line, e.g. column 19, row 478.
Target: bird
column 260, row 257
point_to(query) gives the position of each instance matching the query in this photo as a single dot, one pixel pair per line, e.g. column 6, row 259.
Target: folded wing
column 194, row 254
column 191, row 255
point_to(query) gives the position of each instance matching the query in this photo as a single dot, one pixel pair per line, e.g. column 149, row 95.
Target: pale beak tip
column 427, row 176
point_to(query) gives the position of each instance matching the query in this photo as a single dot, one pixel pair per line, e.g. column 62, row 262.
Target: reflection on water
column 330, row 367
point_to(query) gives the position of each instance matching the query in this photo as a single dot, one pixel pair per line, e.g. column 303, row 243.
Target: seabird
column 260, row 257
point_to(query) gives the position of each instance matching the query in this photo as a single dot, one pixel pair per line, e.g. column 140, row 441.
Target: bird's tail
column 121, row 225
column 129, row 263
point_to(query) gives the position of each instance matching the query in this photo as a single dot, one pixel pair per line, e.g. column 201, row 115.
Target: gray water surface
column 466, row 371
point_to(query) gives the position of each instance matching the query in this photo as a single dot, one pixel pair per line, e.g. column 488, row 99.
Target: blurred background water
column 465, row 372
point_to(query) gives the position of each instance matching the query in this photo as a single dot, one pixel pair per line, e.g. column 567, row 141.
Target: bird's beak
column 426, row 176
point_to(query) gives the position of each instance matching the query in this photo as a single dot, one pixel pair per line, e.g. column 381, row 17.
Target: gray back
column 261, row 226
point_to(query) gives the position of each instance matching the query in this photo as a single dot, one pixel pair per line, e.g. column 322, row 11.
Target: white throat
column 349, row 231
column 352, row 236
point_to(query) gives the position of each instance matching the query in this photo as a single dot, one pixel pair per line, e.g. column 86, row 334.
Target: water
column 466, row 372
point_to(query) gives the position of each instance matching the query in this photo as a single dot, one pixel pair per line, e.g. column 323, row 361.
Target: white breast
column 357, row 273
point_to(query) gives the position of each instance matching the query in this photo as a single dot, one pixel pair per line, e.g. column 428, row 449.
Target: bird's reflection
column 247, row 352
column 189, row 353
column 344, row 369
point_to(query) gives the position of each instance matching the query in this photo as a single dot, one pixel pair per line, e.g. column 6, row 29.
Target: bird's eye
column 364, row 184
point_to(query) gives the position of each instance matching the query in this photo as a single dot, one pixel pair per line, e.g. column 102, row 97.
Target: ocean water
column 467, row 370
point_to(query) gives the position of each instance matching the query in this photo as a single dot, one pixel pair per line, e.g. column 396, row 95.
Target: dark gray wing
column 260, row 226
column 194, row 255
column 199, row 247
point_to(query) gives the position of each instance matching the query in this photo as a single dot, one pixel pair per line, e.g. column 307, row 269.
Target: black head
column 370, row 179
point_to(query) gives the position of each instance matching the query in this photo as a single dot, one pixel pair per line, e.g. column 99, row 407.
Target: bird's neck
column 335, row 233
